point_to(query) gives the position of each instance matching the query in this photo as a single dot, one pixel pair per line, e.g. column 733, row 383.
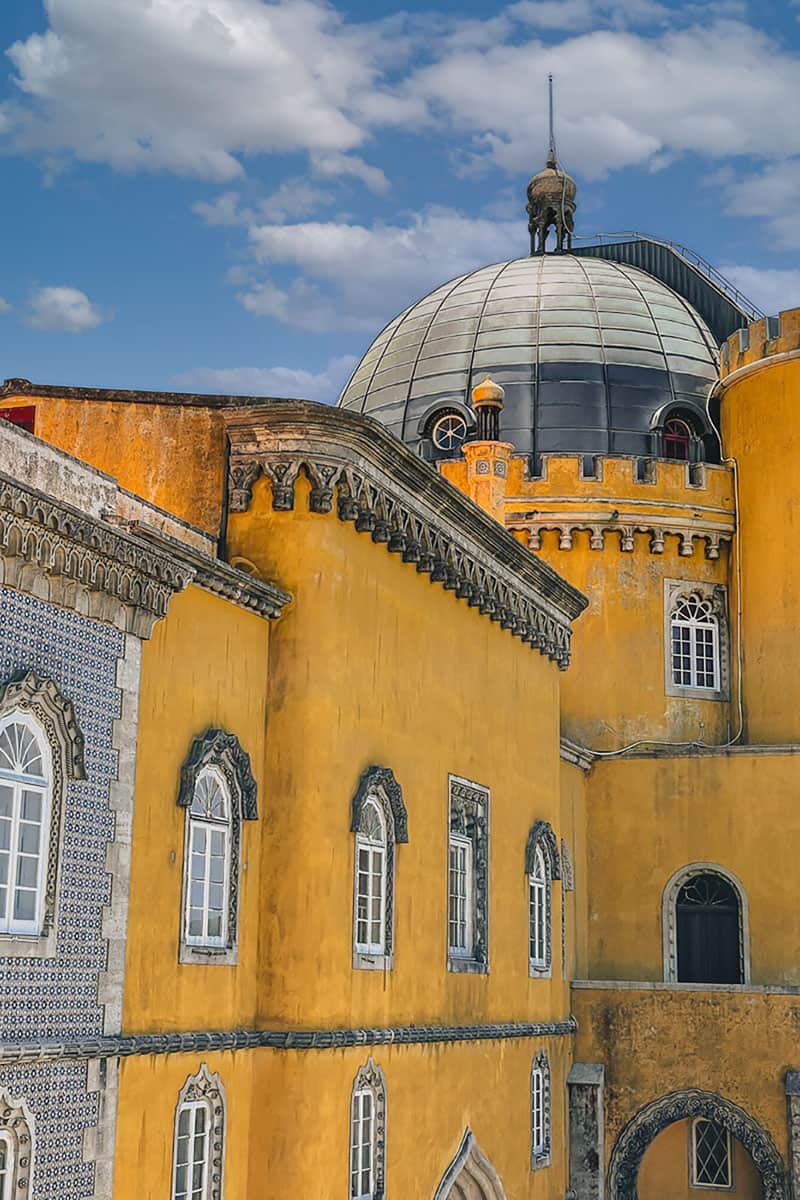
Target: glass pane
column 24, row 906
column 31, row 806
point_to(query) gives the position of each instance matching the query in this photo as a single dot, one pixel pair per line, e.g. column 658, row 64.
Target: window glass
column 371, row 881
column 538, row 911
column 6, row 1167
column 711, row 1156
column 24, row 813
column 362, row 1149
column 191, row 1153
column 460, row 896
column 537, row 1111
column 694, row 632
column 208, row 862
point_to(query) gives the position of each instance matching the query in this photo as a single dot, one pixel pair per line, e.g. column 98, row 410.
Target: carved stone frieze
column 648, row 1123
column 359, row 471
column 381, row 780
column 622, row 532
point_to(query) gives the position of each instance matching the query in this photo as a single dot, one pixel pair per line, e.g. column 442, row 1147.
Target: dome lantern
column 551, row 199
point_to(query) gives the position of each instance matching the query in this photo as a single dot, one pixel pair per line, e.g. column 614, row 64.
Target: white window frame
column 43, row 787
column 373, row 849
column 538, row 904
column 7, row 1172
column 357, row 1122
column 537, row 1113
column 204, row 942
column 677, row 591
column 693, row 1181
column 192, row 1107
column 694, row 627
column 459, row 843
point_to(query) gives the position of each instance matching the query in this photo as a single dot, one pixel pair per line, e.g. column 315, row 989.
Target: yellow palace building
column 396, row 798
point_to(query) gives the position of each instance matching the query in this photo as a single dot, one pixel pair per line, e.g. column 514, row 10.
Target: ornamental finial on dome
column 551, row 198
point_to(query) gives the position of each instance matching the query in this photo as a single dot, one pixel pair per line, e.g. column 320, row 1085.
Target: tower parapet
column 768, row 338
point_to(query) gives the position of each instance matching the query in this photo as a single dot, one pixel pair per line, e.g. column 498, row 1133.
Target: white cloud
column 771, row 194
column 292, row 199
column 4, row 306
column 771, row 288
column 65, row 309
column 352, row 276
column 324, row 385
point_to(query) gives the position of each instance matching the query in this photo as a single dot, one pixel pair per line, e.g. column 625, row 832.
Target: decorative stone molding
column 205, row 1041
column 586, row 1087
column 28, row 693
column 208, row 1089
column 669, row 919
column 541, row 834
column 568, row 876
column 717, row 594
column 223, row 751
column 380, row 785
column 17, row 1122
column 648, row 1123
column 625, row 526
column 371, row 1076
column 59, row 554
column 792, row 1087
column 355, row 467
column 470, row 1174
column 541, row 1062
column 381, row 781
column 468, row 816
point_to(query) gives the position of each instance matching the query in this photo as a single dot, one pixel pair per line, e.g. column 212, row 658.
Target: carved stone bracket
column 623, row 534
column 378, row 485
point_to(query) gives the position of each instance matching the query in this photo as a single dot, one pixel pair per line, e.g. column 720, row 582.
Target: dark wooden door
column 708, row 929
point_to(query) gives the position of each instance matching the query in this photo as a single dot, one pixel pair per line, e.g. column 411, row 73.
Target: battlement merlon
column 768, row 338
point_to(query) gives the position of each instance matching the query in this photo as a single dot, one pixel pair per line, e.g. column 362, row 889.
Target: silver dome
column 591, row 353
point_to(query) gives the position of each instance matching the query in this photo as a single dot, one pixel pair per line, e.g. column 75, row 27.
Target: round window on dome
column 449, row 432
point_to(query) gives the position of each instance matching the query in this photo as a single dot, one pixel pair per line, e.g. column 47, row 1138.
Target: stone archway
column 470, row 1175
column 637, row 1135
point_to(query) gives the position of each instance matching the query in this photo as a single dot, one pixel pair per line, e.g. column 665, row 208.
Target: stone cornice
column 11, row 388
column 370, row 478
column 200, row 1042
column 57, row 553
column 600, row 524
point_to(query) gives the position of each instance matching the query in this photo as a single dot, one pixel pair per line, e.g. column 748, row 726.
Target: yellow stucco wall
column 205, row 666
column 664, row 1173
column 288, row 1118
column 760, row 430
column 372, row 664
column 171, row 455
column 647, row 818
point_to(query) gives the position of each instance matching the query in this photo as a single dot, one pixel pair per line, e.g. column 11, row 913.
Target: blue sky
column 234, row 195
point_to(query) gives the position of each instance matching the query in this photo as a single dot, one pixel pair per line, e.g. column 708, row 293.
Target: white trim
column 715, row 595
column 204, row 1090
column 539, row 906
column 730, row 1186
column 669, row 936
column 460, row 845
column 374, row 849
column 203, row 943
column 43, row 787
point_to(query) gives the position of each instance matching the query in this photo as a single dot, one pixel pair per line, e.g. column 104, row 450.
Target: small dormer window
column 677, row 439
column 449, row 432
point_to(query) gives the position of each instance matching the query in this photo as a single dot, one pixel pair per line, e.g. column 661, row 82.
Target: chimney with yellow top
column 486, row 456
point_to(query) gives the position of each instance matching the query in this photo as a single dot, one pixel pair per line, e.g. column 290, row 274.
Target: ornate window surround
column 379, row 785
column 40, row 699
column 717, row 594
column 205, row 1088
column 17, row 1124
column 542, row 1157
column 371, row 1078
column 542, row 837
column 223, row 752
column 468, row 816
column 669, row 925
column 471, row 1169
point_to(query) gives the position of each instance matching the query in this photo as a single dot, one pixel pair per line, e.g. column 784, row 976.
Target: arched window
column 708, row 924
column 677, row 439
column 218, row 792
column 380, row 822
column 25, row 792
column 695, row 643
column 208, row 861
column 368, row 1134
column 540, row 1111
column 16, row 1149
column 542, row 866
column 371, row 881
column 6, row 1167
column 448, row 431
column 198, row 1146
column 538, row 911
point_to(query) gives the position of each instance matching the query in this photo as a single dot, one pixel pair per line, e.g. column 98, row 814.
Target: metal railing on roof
column 690, row 256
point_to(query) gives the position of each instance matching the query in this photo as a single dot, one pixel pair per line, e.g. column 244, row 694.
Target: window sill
column 28, row 945
column 372, row 962
column 538, row 1161
column 208, row 956
column 677, row 692
column 467, row 966
column 537, row 972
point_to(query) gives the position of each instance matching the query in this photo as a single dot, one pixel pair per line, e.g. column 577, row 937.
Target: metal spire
column 551, row 158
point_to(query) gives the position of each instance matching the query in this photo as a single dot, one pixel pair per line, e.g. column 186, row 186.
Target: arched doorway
column 649, row 1122
column 470, row 1175
column 705, row 926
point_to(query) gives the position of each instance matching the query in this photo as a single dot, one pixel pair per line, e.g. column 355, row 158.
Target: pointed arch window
column 25, row 791
column 540, row 1111
column 379, row 822
column 198, row 1158
column 218, row 792
column 542, row 866
column 367, row 1134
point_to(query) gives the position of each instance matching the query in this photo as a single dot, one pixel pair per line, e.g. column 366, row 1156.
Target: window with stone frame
column 198, row 1153
column 542, row 866
column 696, row 640
column 41, row 749
column 468, row 877
column 380, row 823
column 218, row 793
column 16, row 1148
column 710, row 1155
column 540, row 1111
column 367, row 1164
